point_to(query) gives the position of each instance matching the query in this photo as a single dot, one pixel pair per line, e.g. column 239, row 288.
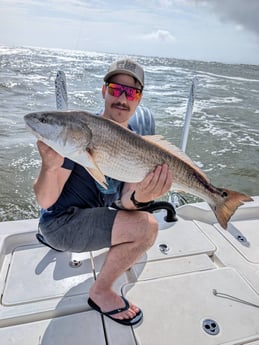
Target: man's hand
column 52, row 177
column 51, row 160
column 155, row 184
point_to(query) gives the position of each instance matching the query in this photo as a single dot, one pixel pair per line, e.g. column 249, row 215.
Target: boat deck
column 198, row 285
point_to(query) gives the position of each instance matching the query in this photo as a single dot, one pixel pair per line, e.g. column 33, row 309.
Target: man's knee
column 138, row 227
column 150, row 228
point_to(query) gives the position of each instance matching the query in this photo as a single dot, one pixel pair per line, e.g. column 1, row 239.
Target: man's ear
column 140, row 99
column 104, row 90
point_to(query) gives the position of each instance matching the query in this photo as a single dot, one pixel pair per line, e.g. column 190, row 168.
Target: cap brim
column 122, row 71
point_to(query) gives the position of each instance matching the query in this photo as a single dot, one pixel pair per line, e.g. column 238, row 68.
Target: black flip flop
column 127, row 322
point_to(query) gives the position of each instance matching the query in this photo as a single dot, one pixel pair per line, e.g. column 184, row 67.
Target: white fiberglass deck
column 198, row 285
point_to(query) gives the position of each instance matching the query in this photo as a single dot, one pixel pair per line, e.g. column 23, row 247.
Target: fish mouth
column 35, row 133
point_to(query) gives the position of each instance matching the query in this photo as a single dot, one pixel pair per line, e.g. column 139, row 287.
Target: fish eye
column 43, row 120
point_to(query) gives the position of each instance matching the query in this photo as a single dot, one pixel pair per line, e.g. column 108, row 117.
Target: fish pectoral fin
column 76, row 154
column 86, row 159
column 94, row 170
column 83, row 158
column 98, row 176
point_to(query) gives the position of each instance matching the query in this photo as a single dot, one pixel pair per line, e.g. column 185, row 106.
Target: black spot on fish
column 224, row 194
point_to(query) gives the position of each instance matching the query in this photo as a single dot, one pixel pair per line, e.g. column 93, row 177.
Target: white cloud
column 189, row 29
column 159, row 35
column 241, row 12
column 239, row 27
column 165, row 3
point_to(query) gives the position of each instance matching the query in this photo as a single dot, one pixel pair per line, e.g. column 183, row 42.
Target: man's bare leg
column 132, row 234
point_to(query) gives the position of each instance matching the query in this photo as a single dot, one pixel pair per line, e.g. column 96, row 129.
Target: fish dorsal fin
column 159, row 140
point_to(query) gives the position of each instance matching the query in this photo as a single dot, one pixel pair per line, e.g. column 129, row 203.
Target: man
column 75, row 209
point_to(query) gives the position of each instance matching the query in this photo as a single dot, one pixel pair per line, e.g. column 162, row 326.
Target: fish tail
column 226, row 204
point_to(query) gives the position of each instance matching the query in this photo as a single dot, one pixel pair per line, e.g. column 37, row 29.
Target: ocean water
column 224, row 133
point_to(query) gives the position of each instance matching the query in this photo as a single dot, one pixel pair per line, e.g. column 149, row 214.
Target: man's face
column 120, row 109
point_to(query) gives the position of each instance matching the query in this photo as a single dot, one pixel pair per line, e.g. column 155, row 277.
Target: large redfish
column 104, row 147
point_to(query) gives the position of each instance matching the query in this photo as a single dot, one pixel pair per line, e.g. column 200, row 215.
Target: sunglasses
column 116, row 90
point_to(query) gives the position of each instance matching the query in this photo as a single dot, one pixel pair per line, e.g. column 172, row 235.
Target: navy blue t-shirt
column 82, row 191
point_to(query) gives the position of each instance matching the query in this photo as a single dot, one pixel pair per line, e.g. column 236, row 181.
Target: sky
column 214, row 30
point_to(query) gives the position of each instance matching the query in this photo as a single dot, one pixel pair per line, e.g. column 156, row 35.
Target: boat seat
column 143, row 122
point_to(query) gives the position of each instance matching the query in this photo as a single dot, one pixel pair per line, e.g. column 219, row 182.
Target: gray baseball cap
column 126, row 66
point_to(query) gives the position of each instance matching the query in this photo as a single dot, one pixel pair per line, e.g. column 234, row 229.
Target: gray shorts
column 80, row 230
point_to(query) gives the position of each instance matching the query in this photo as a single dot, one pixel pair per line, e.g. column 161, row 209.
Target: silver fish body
column 104, row 147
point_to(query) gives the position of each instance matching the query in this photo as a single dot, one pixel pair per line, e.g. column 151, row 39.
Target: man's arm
column 154, row 185
column 52, row 178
